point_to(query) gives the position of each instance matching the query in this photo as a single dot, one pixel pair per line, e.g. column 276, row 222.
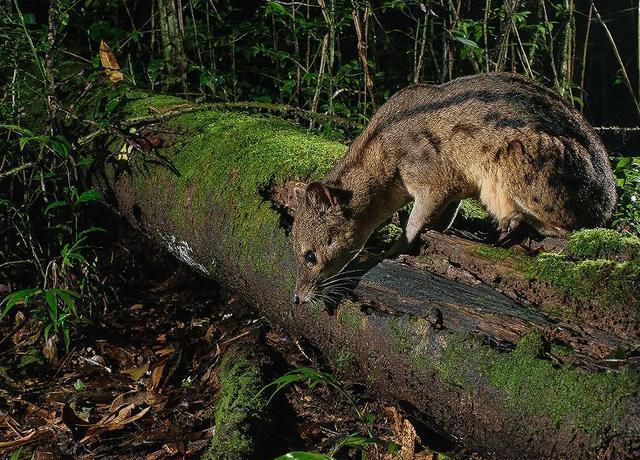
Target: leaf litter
column 140, row 382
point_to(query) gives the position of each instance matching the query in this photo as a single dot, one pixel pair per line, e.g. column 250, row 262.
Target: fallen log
column 477, row 366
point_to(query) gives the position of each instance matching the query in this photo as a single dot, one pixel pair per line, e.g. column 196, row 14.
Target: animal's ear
column 321, row 196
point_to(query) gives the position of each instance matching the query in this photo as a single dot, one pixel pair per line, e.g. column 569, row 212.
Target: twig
column 625, row 76
column 16, row 170
column 618, row 129
column 584, row 56
column 259, row 106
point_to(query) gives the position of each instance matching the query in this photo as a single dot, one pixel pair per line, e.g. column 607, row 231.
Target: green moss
column 350, row 314
column 607, row 282
column 344, row 360
column 398, row 327
column 473, row 209
column 144, row 104
column 494, row 253
column 531, row 385
column 240, row 413
column 31, row 360
column 227, row 158
column 604, row 243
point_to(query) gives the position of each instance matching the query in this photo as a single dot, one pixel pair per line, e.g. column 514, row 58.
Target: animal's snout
column 296, row 299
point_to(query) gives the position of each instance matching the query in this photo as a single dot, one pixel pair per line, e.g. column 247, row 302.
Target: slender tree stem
column 585, row 49
column 362, row 54
column 625, row 76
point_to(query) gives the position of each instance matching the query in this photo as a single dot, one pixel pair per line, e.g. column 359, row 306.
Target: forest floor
column 141, row 382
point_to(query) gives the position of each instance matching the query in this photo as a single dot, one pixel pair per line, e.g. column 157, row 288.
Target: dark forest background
column 306, row 53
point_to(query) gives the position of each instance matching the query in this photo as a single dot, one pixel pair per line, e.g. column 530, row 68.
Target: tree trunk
column 171, row 31
column 475, row 364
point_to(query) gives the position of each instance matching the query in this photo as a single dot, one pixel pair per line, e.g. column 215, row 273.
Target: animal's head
column 324, row 239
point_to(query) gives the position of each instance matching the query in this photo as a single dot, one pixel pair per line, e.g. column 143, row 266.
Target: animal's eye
column 310, row 257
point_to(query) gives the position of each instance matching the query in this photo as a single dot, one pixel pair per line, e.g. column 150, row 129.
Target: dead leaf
column 39, row 434
column 110, row 63
column 136, row 373
column 41, row 454
column 114, row 422
column 162, row 352
column 137, row 398
column 156, row 375
column 50, row 349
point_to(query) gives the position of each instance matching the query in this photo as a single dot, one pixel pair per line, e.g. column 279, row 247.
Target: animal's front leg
column 428, row 211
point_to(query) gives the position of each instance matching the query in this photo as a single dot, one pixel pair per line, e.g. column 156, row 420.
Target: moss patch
column 240, row 415
column 350, row 314
column 609, row 283
column 494, row 253
column 472, row 209
column 532, row 385
column 603, row 243
column 31, row 361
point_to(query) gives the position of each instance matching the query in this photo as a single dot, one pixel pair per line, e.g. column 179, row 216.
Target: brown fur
column 515, row 145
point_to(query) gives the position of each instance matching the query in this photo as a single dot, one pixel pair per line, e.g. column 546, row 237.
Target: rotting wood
column 512, row 272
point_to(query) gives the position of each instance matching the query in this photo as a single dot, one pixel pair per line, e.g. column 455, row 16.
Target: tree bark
column 475, row 364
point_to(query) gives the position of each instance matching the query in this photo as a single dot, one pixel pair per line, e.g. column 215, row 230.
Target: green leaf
column 54, row 205
column 623, row 163
column 18, row 296
column 459, row 36
column 29, row 19
column 25, row 139
column 52, row 302
column 68, row 299
column 359, row 441
column 19, row 130
column 297, row 455
column 66, row 338
column 60, row 145
column 79, row 385
column 86, row 161
column 17, row 455
column 89, row 195
column 276, row 8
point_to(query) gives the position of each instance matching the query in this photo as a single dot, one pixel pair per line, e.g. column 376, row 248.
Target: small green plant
column 54, row 306
column 313, row 378
column 627, row 213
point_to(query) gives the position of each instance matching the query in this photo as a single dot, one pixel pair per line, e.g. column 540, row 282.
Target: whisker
column 345, row 280
column 343, row 272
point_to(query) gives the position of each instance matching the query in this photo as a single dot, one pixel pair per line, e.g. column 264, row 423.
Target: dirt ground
column 141, row 381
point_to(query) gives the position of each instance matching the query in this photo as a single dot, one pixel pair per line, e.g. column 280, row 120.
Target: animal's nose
column 296, row 299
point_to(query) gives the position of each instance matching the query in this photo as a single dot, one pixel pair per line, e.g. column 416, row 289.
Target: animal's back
column 512, row 142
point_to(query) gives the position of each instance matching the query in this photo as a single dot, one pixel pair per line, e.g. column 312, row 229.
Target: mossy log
column 478, row 366
column 591, row 281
